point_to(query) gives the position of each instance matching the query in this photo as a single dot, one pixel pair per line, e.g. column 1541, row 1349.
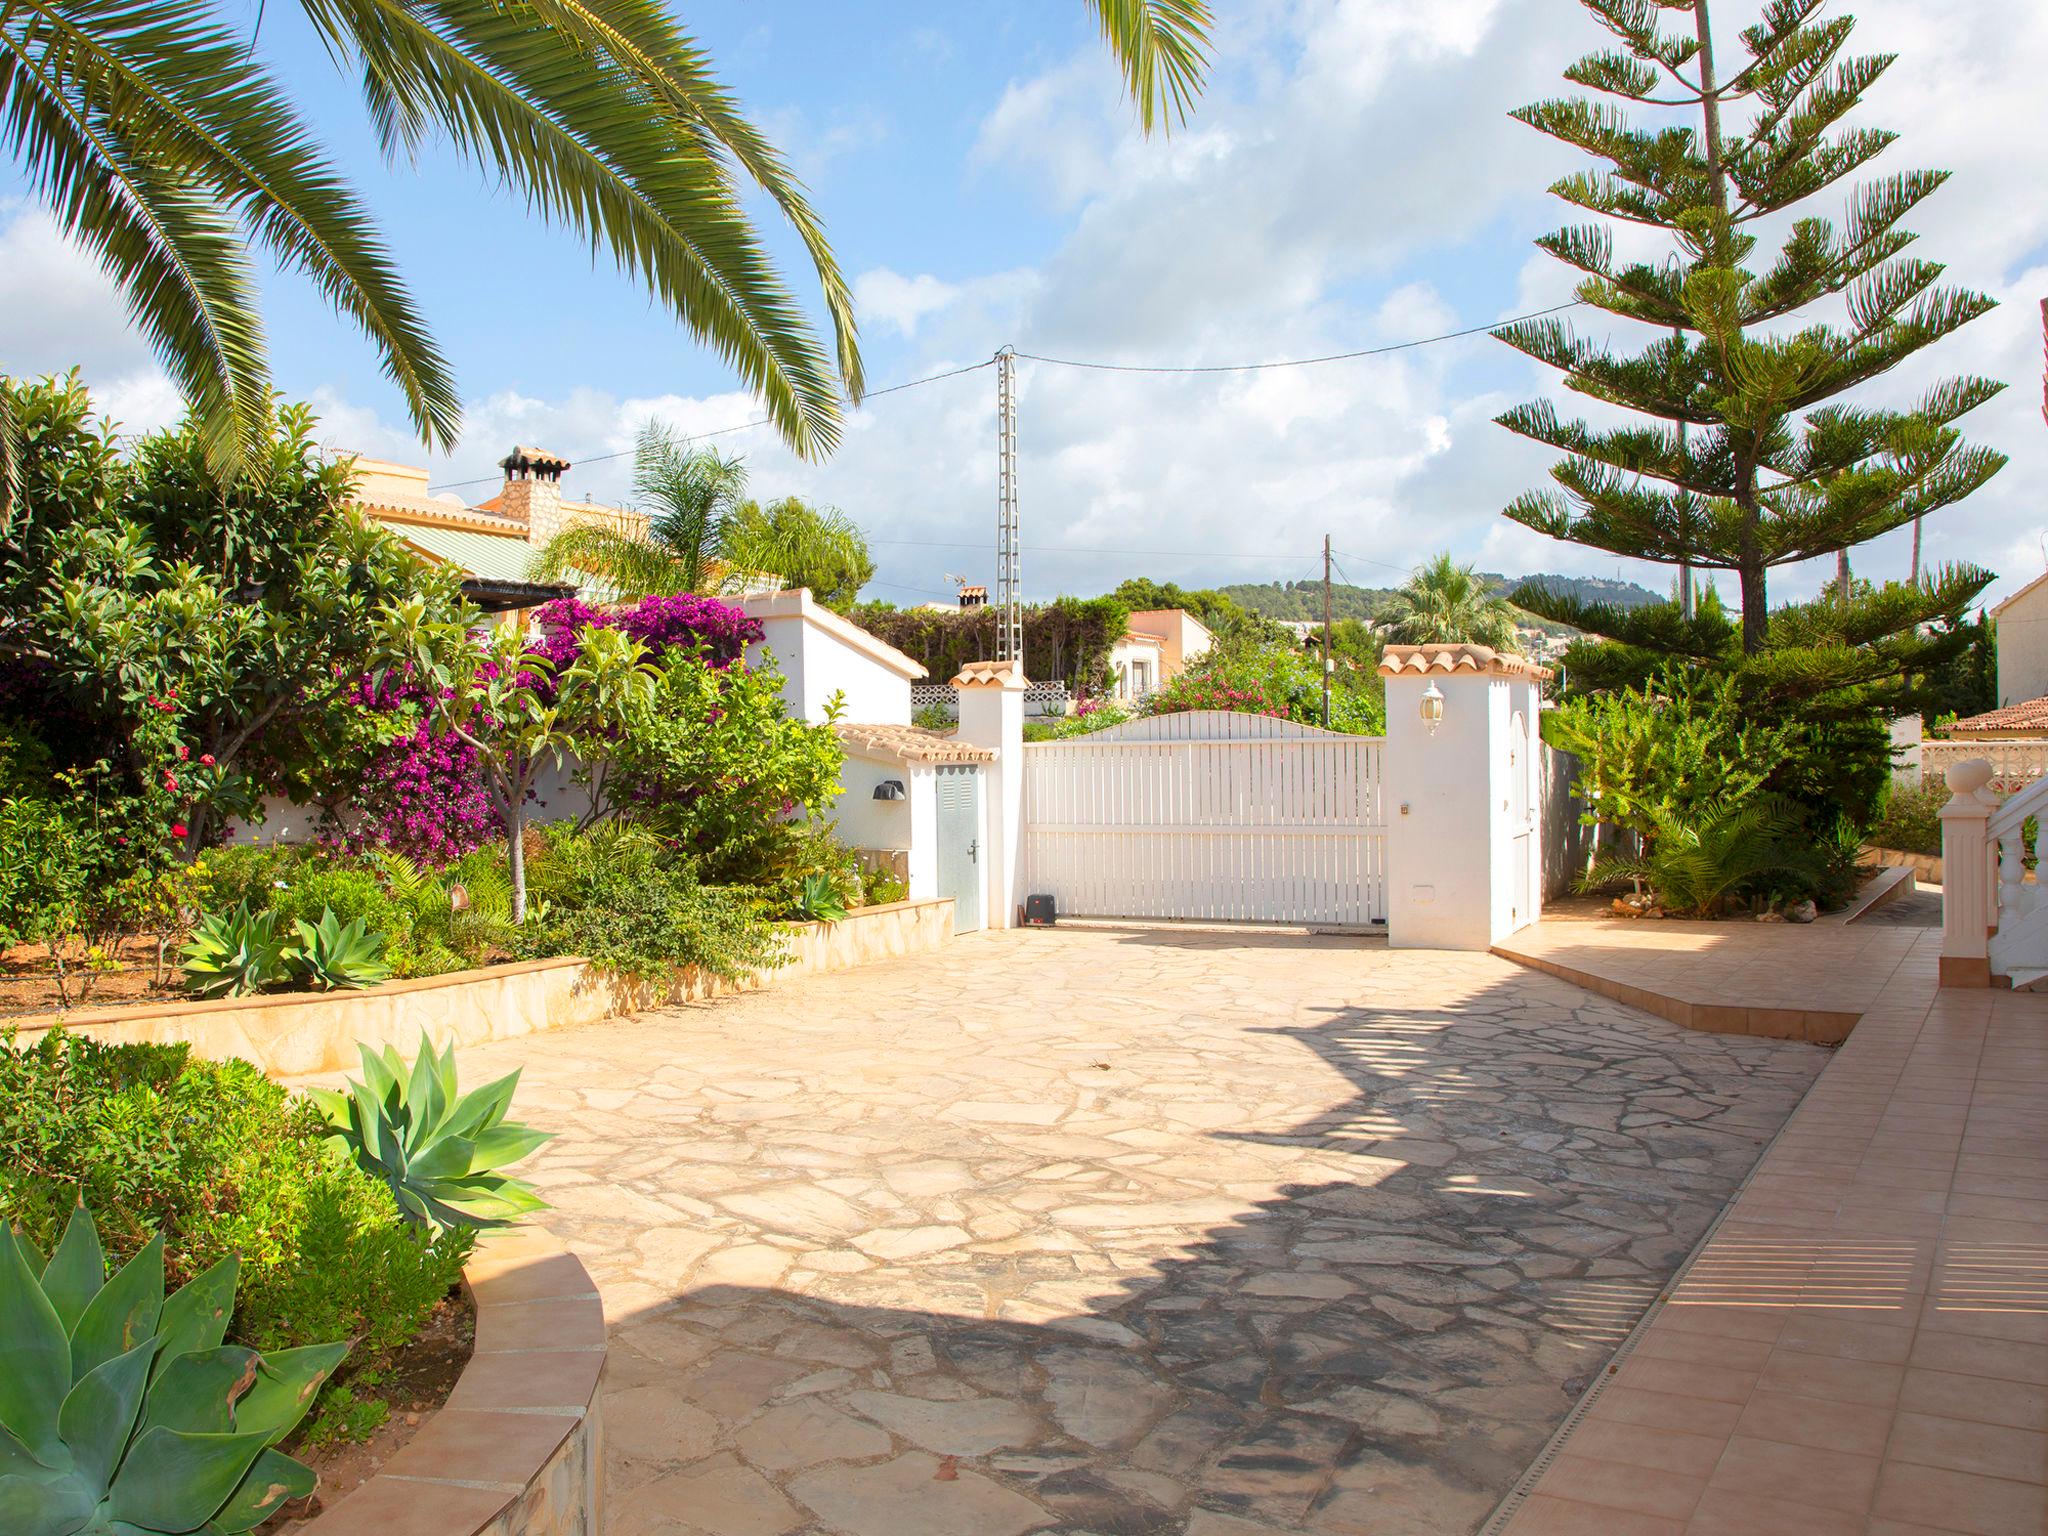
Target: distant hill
column 1304, row 599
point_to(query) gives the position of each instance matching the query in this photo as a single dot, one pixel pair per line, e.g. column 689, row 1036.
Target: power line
column 1068, row 362
column 1302, row 362
column 745, row 426
column 1351, row 554
column 1079, row 549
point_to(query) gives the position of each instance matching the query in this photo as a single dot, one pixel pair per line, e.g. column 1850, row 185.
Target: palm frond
column 154, row 135
column 593, row 144
column 630, row 567
column 1162, row 47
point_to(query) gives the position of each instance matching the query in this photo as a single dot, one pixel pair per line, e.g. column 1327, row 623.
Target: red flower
column 178, row 829
column 206, row 759
column 183, row 752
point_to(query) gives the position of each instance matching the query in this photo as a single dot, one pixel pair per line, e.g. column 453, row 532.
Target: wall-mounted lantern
column 889, row 789
column 1432, row 707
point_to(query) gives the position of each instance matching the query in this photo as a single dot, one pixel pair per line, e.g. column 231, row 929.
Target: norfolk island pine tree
column 1750, row 459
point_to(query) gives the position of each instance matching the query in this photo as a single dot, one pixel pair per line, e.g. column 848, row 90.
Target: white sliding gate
column 1211, row 815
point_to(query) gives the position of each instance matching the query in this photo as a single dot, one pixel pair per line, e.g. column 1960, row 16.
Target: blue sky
column 1350, row 180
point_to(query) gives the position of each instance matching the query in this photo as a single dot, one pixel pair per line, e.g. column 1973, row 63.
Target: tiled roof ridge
column 1411, row 660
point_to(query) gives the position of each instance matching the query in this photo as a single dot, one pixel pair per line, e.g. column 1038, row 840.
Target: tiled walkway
column 1125, row 1233
column 1863, row 1346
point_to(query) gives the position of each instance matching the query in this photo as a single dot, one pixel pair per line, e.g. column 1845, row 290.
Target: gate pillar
column 1462, row 797
column 991, row 695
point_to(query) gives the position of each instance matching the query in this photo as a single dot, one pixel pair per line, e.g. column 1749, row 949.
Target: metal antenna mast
column 1009, row 557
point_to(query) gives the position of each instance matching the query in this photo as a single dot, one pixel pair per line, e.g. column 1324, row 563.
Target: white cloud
column 1350, row 180
column 901, row 301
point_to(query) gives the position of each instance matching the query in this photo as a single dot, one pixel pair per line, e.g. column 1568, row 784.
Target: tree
column 806, row 546
column 158, row 627
column 510, row 705
column 1222, row 615
column 1444, row 603
column 1749, row 460
column 162, row 144
column 704, row 536
column 692, row 495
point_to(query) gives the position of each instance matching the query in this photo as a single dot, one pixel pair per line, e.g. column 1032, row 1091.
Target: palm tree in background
column 1444, row 603
column 807, row 546
column 703, row 535
column 166, row 148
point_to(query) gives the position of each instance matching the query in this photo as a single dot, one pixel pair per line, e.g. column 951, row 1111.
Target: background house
column 2022, row 621
column 492, row 543
column 1159, row 645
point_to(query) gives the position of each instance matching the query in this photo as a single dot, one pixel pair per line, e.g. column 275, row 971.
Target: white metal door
column 1208, row 815
column 960, row 862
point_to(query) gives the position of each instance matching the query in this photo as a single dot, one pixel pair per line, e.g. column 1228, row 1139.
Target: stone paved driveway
column 1125, row 1232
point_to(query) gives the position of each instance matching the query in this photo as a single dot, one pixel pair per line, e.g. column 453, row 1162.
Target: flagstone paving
column 1125, row 1232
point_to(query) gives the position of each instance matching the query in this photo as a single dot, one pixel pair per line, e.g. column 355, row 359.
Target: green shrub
column 1700, row 867
column 222, row 879
column 443, row 933
column 218, row 1160
column 351, row 894
column 1910, row 820
column 617, row 896
column 880, row 887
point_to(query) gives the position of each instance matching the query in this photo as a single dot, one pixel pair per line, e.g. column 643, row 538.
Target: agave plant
column 439, row 1149
column 819, row 901
column 123, row 1414
column 332, row 955
column 233, row 953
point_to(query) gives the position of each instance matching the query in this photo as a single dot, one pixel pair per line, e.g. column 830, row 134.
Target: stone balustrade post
column 1969, row 911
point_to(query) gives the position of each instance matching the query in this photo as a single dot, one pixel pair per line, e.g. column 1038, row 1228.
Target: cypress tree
column 1748, row 457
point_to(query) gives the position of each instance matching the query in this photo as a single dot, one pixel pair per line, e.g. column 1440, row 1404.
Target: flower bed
column 292, row 1034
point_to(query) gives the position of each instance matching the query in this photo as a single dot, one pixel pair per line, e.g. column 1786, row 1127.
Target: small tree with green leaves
column 512, row 707
column 1750, row 458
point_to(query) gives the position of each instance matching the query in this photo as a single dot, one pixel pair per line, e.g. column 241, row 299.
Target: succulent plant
column 332, row 955
column 123, row 1414
column 438, row 1148
column 234, row 953
column 819, row 901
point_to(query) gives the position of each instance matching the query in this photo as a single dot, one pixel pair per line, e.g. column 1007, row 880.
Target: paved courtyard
column 1125, row 1232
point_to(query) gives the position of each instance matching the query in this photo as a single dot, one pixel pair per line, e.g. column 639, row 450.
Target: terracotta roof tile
column 991, row 674
column 910, row 744
column 2028, row 715
column 1402, row 660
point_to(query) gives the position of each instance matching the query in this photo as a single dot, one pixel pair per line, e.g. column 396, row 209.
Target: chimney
column 532, row 492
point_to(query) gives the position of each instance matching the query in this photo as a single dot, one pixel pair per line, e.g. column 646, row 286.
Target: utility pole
column 1009, row 558
column 1326, row 631
column 1685, row 598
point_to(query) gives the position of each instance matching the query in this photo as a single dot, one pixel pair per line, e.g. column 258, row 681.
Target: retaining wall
column 295, row 1034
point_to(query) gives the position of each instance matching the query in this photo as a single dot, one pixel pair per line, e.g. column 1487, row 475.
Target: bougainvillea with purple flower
column 424, row 795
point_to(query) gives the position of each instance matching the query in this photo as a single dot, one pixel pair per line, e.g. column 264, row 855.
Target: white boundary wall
column 1208, row 815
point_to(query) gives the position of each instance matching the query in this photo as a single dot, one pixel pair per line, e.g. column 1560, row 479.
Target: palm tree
column 804, row 545
column 161, row 143
column 693, row 496
column 1443, row 603
column 704, row 536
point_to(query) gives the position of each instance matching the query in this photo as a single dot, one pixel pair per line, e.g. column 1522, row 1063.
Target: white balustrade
column 1993, row 921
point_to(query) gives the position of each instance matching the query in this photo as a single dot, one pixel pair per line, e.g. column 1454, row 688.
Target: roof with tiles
column 991, row 674
column 2027, row 718
column 1407, row 660
column 909, row 744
